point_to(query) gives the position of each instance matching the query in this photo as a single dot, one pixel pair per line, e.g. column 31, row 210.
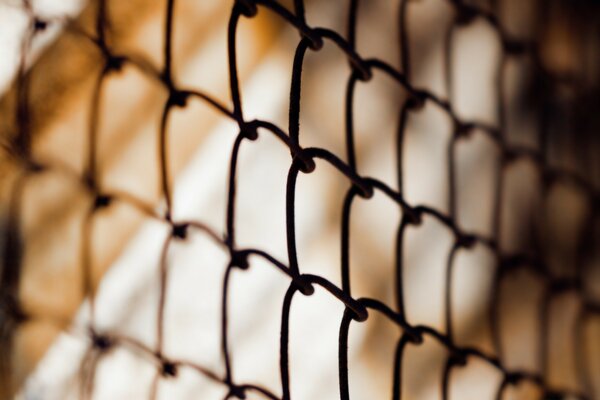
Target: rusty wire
column 303, row 160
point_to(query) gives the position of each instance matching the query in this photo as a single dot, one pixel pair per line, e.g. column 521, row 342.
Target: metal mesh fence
column 303, row 161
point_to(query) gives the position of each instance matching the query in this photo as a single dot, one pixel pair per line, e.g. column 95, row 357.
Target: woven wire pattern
column 303, row 160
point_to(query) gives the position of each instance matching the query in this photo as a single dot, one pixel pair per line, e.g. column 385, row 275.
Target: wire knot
column 34, row 167
column 412, row 216
column 314, row 39
column 361, row 68
column 101, row 342
column 463, row 129
column 414, row 336
column 304, row 162
column 180, row 231
column 178, row 98
column 168, row 369
column 508, row 156
column 249, row 131
column 237, row 391
column 40, row 25
column 304, row 285
column 114, row 63
column 239, row 259
column 365, row 189
column 550, row 395
column 248, row 8
column 102, row 201
column 512, row 378
column 514, row 47
column 458, row 358
column 358, row 312
column 11, row 310
column 416, row 101
column 466, row 241
column 465, row 15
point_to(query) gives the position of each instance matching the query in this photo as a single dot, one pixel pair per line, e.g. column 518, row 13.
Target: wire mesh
column 304, row 161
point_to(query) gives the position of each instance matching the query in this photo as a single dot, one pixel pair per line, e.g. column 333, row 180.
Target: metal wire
column 304, row 160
